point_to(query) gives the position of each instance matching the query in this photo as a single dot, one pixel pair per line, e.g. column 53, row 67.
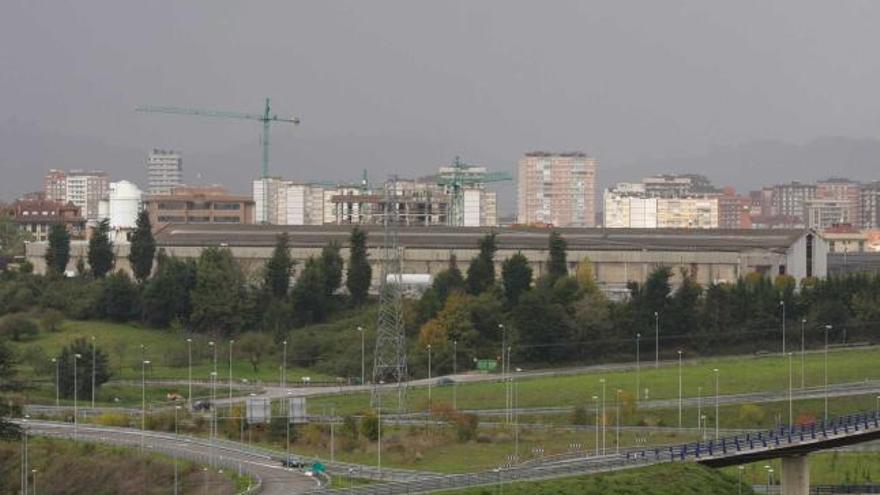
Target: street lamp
column 503, row 369
column 75, row 396
column 803, row 353
column 739, row 483
column 679, row 388
column 782, row 304
column 638, row 366
column 596, row 400
column 93, row 371
column 769, row 479
column 604, row 422
column 284, row 365
column 454, row 374
column 657, row 337
column 176, row 433
column 57, row 388
column 363, row 368
column 143, row 400
column 699, row 406
column 231, row 342
column 716, row 403
column 617, row 422
column 790, row 392
column 189, row 362
column 827, row 329
column 34, row 472
column 429, row 378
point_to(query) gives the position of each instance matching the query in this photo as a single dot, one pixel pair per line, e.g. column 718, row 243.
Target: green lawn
column 736, row 375
column 669, row 479
column 826, row 468
column 115, row 394
column 166, row 349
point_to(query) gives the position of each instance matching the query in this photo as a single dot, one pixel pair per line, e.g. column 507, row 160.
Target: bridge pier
column 795, row 475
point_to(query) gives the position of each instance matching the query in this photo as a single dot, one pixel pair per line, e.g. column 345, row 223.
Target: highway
column 275, row 479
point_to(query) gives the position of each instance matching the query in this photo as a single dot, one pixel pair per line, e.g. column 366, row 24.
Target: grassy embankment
column 64, row 467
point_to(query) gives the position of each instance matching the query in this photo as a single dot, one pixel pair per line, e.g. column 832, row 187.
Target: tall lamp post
column 93, row 371
column 638, row 367
column 504, row 370
column 596, row 401
column 716, row 404
column 679, row 388
column 803, row 353
column 429, row 378
column 231, row 342
column 657, row 339
column 699, row 408
column 455, row 373
column 57, row 388
column 827, row 329
column 75, row 396
column 604, row 422
column 189, row 365
column 143, row 400
column 790, row 392
column 617, row 422
column 360, row 329
column 782, row 304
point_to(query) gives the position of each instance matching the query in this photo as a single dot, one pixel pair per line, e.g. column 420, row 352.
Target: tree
column 143, row 248
column 331, row 268
column 58, row 251
column 84, row 349
column 7, row 362
column 254, row 346
column 448, row 281
column 279, row 268
column 308, row 295
column 543, row 327
column 101, row 250
column 167, row 295
column 12, row 238
column 217, row 296
column 517, row 277
column 585, row 277
column 360, row 274
column 557, row 266
column 18, row 327
column 119, row 297
column 51, row 320
column 481, row 272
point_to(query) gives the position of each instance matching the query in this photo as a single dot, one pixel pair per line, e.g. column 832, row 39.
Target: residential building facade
column 556, row 189
column 37, row 216
column 164, row 171
column 199, row 205
column 83, row 189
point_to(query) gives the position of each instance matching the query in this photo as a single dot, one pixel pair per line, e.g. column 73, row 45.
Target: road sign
column 487, row 364
column 297, row 408
column 259, row 410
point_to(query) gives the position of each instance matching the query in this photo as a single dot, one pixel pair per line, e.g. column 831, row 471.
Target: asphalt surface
column 275, row 479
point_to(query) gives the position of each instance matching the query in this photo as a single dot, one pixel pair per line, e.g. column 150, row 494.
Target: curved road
column 275, row 479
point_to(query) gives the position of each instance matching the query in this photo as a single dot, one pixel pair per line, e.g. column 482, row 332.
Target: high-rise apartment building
column 789, row 199
column 870, row 205
column 164, row 171
column 83, row 189
column 662, row 202
column 556, row 189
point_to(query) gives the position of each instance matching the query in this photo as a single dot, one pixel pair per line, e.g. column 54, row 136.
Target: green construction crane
column 267, row 118
column 455, row 185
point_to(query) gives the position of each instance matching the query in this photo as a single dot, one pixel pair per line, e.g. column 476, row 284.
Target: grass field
column 671, row 479
column 826, row 468
column 115, row 394
column 736, row 375
column 166, row 349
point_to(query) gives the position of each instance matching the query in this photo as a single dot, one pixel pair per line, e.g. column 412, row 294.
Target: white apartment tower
column 556, row 189
column 164, row 171
column 83, row 189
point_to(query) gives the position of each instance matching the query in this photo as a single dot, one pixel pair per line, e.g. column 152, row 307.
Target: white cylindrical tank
column 125, row 203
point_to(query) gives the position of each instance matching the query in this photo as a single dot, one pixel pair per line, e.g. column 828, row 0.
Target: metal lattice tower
column 389, row 364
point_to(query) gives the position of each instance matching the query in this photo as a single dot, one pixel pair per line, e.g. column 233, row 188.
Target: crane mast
column 266, row 118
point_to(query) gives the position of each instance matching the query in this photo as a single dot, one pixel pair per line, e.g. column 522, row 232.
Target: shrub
column 51, row 320
column 370, row 426
column 579, row 416
column 750, row 414
column 466, row 426
column 113, row 419
column 18, row 327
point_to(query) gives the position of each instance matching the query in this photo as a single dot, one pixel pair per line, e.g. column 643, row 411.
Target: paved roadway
column 275, row 479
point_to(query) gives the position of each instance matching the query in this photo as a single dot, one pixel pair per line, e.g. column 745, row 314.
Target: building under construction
column 455, row 196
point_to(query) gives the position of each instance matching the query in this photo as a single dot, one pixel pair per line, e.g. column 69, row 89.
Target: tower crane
column 266, row 118
column 455, row 185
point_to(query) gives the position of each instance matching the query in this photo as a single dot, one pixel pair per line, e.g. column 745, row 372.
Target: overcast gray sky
column 402, row 86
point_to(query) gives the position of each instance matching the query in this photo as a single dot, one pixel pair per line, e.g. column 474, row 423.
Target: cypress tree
column 278, row 268
column 360, row 273
column 557, row 267
column 58, row 252
column 143, row 248
column 101, row 250
column 481, row 272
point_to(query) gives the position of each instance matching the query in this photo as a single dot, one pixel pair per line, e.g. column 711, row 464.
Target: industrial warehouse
column 618, row 256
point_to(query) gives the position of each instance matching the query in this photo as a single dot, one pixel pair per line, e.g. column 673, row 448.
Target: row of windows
column 202, row 205
column 198, row 219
